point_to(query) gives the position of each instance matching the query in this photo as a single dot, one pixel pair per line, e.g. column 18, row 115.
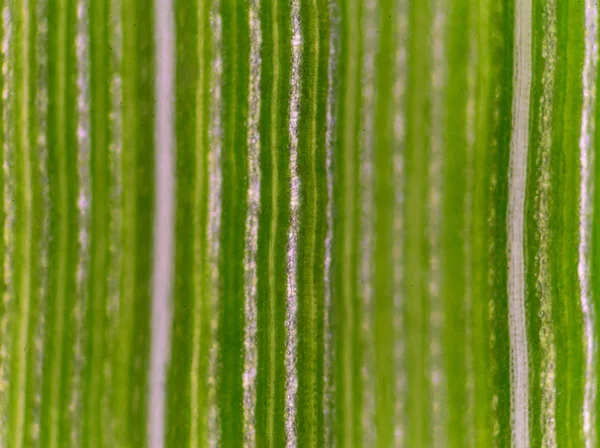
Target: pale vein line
column 400, row 393
column 163, row 219
column 586, row 205
column 291, row 342
column 517, row 182
column 370, row 32
column 9, row 217
column 437, row 376
column 329, row 352
column 82, row 53
column 471, row 120
column 544, row 281
column 115, row 225
column 214, row 218
column 251, row 244
column 41, row 102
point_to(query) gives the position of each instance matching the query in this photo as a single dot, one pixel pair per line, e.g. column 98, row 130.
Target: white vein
column 370, row 30
column 400, row 395
column 199, row 242
column 291, row 341
column 41, row 102
column 473, row 59
column 82, row 54
column 436, row 318
column 251, row 243
column 586, row 148
column 9, row 217
column 517, row 181
column 542, row 216
column 328, row 351
column 163, row 219
column 214, row 218
column 115, row 222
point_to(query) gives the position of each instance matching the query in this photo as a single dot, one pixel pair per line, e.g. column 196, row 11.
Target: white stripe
column 517, row 182
column 82, row 53
column 586, row 204
column 329, row 352
column 113, row 303
column 370, row 30
column 163, row 224
column 250, row 276
column 437, row 375
column 291, row 342
column 200, row 247
column 214, row 218
column 400, row 393
column 9, row 217
column 41, row 105
column 471, row 123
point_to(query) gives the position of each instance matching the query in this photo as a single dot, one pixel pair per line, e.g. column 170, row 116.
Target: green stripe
column 60, row 146
column 501, row 76
column 234, row 169
column 187, row 297
column 96, row 353
column 416, row 263
column 453, row 288
column 383, row 264
column 347, row 373
column 447, row 131
column 273, row 223
column 565, row 184
column 310, row 348
column 480, row 261
column 131, row 372
column 320, row 117
column 21, row 164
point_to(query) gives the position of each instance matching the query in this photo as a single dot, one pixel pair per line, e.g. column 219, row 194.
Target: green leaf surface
column 381, row 230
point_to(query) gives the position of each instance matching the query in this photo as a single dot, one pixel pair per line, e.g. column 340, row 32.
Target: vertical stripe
column 8, row 215
column 8, row 212
column 291, row 346
column 138, row 164
column 587, row 148
column 469, row 230
column 41, row 107
column 483, row 369
column 84, row 204
column 201, row 320
column 59, row 127
column 328, row 336
column 345, row 231
column 400, row 121
column 163, row 220
column 543, row 203
column 437, row 374
column 22, row 199
column 399, row 143
column 274, row 222
column 251, row 233
column 214, row 218
column 369, row 28
column 515, row 225
column 115, row 249
column 415, row 280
